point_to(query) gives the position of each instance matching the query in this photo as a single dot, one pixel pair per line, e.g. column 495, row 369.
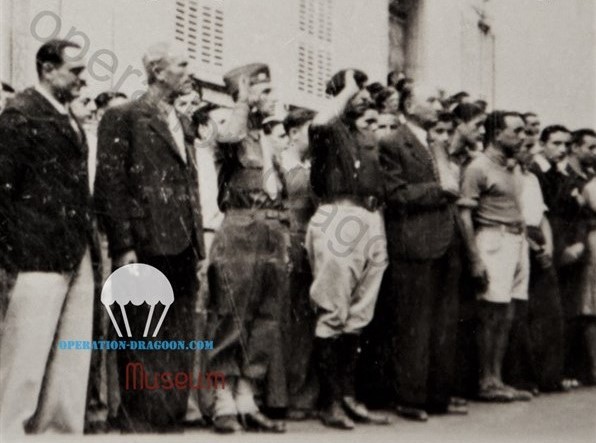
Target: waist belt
column 369, row 202
column 511, row 229
column 264, row 214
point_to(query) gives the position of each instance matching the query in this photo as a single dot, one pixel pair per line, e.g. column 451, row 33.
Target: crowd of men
column 390, row 251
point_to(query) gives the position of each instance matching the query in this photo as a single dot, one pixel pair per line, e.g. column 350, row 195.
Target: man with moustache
column 146, row 194
column 469, row 133
column 346, row 243
column 46, row 237
column 494, row 234
column 248, row 271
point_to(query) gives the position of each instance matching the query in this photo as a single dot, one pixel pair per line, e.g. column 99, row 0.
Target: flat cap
column 337, row 82
column 256, row 72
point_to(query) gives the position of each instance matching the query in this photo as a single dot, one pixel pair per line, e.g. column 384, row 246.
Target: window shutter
column 314, row 58
column 200, row 27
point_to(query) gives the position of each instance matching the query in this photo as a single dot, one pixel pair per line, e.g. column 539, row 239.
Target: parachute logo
column 137, row 283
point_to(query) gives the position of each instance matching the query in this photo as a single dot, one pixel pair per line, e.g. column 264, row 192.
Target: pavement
column 569, row 417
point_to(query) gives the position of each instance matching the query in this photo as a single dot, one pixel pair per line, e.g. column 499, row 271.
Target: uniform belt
column 368, row 202
column 270, row 214
column 511, row 229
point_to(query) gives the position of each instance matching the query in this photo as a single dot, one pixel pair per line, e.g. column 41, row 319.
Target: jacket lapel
column 418, row 151
column 160, row 126
column 62, row 122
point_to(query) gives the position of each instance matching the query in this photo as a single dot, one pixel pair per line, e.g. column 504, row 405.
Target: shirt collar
column 419, row 133
column 496, row 156
column 542, row 162
column 290, row 161
column 575, row 167
column 49, row 97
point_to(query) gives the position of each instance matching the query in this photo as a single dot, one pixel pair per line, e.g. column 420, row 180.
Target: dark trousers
column 519, row 366
column 426, row 311
column 248, row 278
column 147, row 410
column 546, row 326
column 298, row 330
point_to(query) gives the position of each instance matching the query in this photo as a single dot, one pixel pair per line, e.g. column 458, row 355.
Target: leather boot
column 328, row 353
column 350, row 351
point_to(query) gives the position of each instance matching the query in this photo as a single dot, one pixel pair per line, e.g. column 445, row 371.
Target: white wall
column 546, row 59
column 111, row 32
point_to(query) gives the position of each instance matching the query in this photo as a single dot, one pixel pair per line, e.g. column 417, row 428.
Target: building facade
column 516, row 54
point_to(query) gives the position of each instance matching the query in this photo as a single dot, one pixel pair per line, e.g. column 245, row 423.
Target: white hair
column 159, row 54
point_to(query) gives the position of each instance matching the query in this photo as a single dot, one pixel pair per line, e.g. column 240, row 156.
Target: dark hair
column 7, row 88
column 577, row 137
column 550, row 130
column 466, row 112
column 268, row 127
column 52, row 52
column 336, row 84
column 297, row 118
column 404, row 96
column 404, row 84
column 456, row 98
column 383, row 95
column 482, row 104
column 103, row 99
column 495, row 122
column 375, row 88
column 525, row 116
column 442, row 117
column 393, row 78
column 201, row 116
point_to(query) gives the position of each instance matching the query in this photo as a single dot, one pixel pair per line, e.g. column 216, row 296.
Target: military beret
column 256, row 72
column 336, row 84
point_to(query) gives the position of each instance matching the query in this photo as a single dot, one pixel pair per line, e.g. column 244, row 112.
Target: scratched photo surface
column 298, row 220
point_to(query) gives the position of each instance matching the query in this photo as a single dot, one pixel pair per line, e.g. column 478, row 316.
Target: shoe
column 256, row 421
column 518, row 394
column 454, row 409
column 412, row 413
column 495, row 394
column 359, row 413
column 457, row 401
column 226, row 424
column 335, row 417
column 196, row 423
column 356, row 410
column 297, row 415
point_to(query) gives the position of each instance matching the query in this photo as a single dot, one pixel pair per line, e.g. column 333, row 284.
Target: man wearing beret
column 346, row 243
column 248, row 273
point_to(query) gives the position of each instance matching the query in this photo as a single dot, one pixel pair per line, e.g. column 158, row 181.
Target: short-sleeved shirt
column 493, row 190
column 532, row 202
column 345, row 161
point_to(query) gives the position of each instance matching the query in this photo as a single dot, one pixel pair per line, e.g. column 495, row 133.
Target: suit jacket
column 420, row 221
column 146, row 195
column 45, row 206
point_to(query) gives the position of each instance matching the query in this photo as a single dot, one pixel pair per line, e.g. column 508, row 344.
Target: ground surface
column 548, row 418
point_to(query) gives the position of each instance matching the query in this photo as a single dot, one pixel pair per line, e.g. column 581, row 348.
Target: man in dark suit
column 147, row 198
column 424, row 260
column 45, row 233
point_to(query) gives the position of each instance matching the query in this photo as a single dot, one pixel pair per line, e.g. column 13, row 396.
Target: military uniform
column 347, row 249
column 248, row 273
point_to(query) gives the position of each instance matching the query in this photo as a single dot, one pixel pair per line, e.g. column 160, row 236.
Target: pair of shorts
column 507, row 262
